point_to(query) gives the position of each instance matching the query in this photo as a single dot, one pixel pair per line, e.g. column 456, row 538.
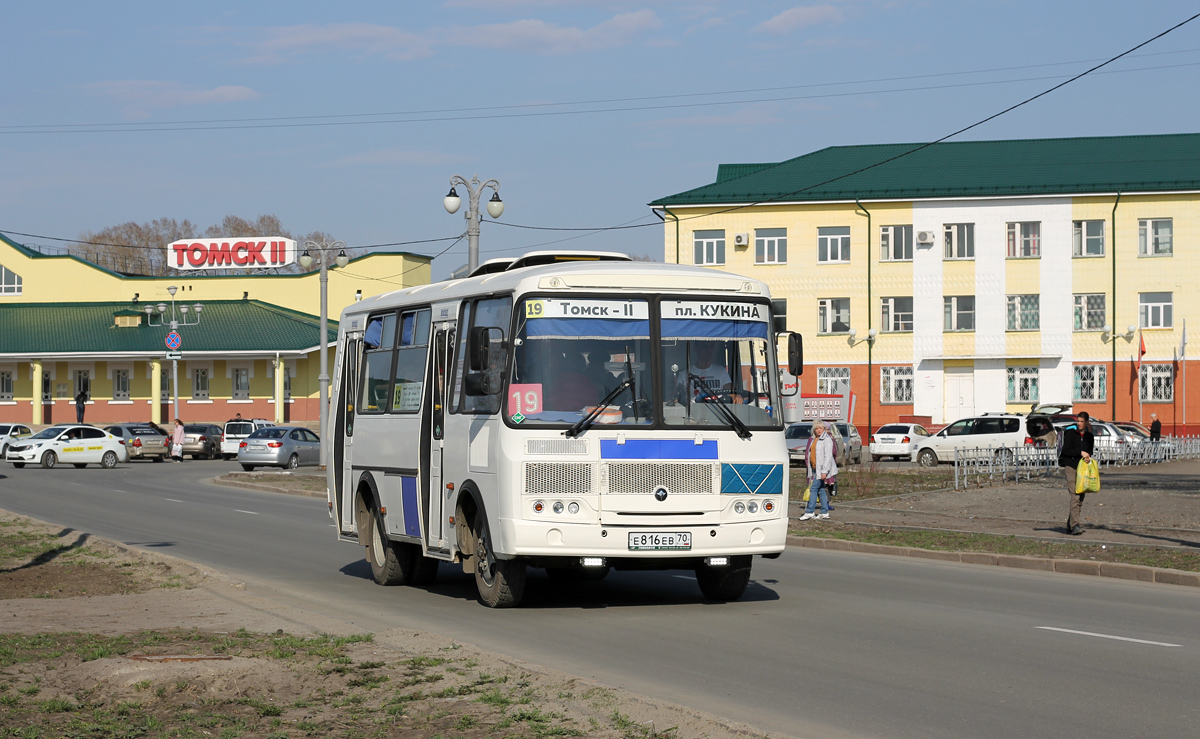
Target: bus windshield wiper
column 587, row 420
column 742, row 431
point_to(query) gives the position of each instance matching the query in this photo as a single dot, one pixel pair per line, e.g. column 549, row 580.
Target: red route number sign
column 525, row 399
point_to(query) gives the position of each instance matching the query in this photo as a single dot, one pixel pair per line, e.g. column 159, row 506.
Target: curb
column 1139, row 573
column 263, row 488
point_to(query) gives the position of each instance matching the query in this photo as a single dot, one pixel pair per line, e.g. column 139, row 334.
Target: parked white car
column 897, row 440
column 10, row 434
column 237, row 431
column 989, row 431
column 74, row 444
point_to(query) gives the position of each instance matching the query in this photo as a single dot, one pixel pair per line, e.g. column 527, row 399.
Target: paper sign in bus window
column 525, row 398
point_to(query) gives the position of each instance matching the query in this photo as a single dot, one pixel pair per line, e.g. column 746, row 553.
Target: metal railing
column 987, row 466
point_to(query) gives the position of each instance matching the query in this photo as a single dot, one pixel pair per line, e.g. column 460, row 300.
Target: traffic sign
column 174, row 355
column 174, row 340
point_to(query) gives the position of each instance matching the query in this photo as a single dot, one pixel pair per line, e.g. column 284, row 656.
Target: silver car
column 280, row 446
column 798, row 434
column 143, row 440
column 851, row 439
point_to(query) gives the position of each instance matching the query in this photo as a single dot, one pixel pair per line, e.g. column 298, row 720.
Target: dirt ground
column 77, row 610
column 1152, row 505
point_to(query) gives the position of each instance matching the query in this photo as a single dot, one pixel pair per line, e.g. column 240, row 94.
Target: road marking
column 252, row 513
column 173, row 500
column 1110, row 636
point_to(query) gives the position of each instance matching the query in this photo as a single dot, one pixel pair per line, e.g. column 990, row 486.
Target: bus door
column 343, row 400
column 436, row 497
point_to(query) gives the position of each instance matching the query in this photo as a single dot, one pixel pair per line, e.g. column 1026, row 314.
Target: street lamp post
column 174, row 323
column 872, row 334
column 495, row 207
column 306, row 261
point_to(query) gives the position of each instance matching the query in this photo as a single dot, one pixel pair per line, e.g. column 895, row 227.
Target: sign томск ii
column 198, row 254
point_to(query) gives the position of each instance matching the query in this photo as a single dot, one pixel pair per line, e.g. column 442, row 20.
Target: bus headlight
column 558, row 506
column 739, row 507
column 753, row 507
column 572, row 507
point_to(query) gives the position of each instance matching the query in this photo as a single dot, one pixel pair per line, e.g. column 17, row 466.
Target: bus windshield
column 571, row 354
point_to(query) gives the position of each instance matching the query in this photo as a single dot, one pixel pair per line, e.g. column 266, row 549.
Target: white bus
column 573, row 412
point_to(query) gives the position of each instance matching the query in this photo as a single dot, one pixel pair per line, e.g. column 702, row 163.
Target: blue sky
column 584, row 110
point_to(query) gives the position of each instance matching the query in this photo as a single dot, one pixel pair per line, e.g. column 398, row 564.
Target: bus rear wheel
column 726, row 582
column 501, row 582
column 391, row 562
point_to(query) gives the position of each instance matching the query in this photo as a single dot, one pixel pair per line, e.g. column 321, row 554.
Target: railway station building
column 68, row 325
column 932, row 282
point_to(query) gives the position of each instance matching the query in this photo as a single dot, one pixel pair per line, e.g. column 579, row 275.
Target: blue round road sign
column 174, row 340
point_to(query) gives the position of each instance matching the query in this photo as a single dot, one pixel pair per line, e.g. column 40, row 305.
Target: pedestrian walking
column 177, row 437
column 80, row 403
column 1155, row 428
column 1078, row 444
column 824, row 467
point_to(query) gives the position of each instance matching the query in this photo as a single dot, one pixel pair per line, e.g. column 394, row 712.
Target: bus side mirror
column 479, row 345
column 795, row 352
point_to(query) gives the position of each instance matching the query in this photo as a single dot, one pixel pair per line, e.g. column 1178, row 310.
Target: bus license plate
column 656, row 540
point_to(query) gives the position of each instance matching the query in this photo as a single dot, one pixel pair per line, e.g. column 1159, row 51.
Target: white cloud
column 800, row 16
column 546, row 38
column 140, row 96
column 364, row 38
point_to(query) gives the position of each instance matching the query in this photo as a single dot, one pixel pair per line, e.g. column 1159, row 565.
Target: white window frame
column 1156, row 313
column 953, row 314
column 1152, row 244
column 1085, row 313
column 959, row 239
column 1024, row 240
column 47, row 387
column 201, row 382
column 1156, row 383
column 164, row 389
column 833, row 381
column 1090, row 383
column 833, row 245
column 1082, row 241
column 1022, row 384
column 121, row 383
column 825, row 315
column 770, row 246
column 891, row 316
column 236, row 374
column 708, row 247
column 81, row 380
column 896, row 385
column 6, row 385
column 1021, row 302
column 893, row 240
column 10, row 282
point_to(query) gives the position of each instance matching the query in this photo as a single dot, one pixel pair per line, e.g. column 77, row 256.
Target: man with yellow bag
column 1078, row 443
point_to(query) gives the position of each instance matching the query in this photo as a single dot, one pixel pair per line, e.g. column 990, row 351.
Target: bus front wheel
column 726, row 582
column 501, row 582
column 391, row 562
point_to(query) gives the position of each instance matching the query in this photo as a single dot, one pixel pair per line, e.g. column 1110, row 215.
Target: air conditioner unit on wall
column 741, row 239
column 926, row 237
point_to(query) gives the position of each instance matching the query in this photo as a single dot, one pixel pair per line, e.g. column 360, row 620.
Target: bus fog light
column 716, row 561
column 538, row 506
column 768, row 506
column 753, row 507
column 739, row 507
column 558, row 506
column 572, row 507
column 591, row 561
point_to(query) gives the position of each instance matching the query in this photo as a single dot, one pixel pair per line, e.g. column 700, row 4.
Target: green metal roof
column 45, row 329
column 1075, row 166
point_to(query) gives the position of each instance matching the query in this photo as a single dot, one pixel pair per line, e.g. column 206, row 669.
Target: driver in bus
column 567, row 388
column 713, row 374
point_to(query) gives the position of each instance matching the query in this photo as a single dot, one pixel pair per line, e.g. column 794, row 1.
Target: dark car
column 143, row 440
column 202, row 440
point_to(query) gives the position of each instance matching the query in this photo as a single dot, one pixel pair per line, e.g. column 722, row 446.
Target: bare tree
column 642, row 258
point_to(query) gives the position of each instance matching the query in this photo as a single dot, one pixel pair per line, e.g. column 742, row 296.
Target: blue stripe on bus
column 692, row 329
column 760, row 479
column 601, row 327
column 657, row 449
column 408, row 498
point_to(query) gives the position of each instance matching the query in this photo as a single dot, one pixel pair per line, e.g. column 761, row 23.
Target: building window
column 770, row 246
column 896, row 243
column 1089, row 312
column 62, row 390
column 83, row 383
column 164, row 386
column 241, row 383
column 959, row 311
column 1154, row 310
column 1022, row 384
column 6, row 385
column 960, row 240
column 1024, row 240
column 47, row 388
column 1157, row 383
column 1088, row 239
column 833, row 381
column 287, row 384
column 1024, row 313
column 10, row 282
column 1154, row 237
column 895, row 384
column 833, row 316
column 200, row 384
column 120, row 384
column 833, row 244
column 709, row 247
column 897, row 314
column 1091, row 382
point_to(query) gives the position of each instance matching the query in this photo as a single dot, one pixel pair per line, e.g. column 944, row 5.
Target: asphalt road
column 825, row 644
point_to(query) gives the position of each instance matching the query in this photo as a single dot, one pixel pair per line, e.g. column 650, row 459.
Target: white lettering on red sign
column 199, row 254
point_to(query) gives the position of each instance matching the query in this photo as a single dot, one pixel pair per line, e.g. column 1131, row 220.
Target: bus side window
column 497, row 313
column 456, row 394
column 380, row 340
column 409, row 379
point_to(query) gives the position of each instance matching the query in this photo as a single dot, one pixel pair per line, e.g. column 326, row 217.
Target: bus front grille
column 556, row 478
column 556, row 446
column 643, row 478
